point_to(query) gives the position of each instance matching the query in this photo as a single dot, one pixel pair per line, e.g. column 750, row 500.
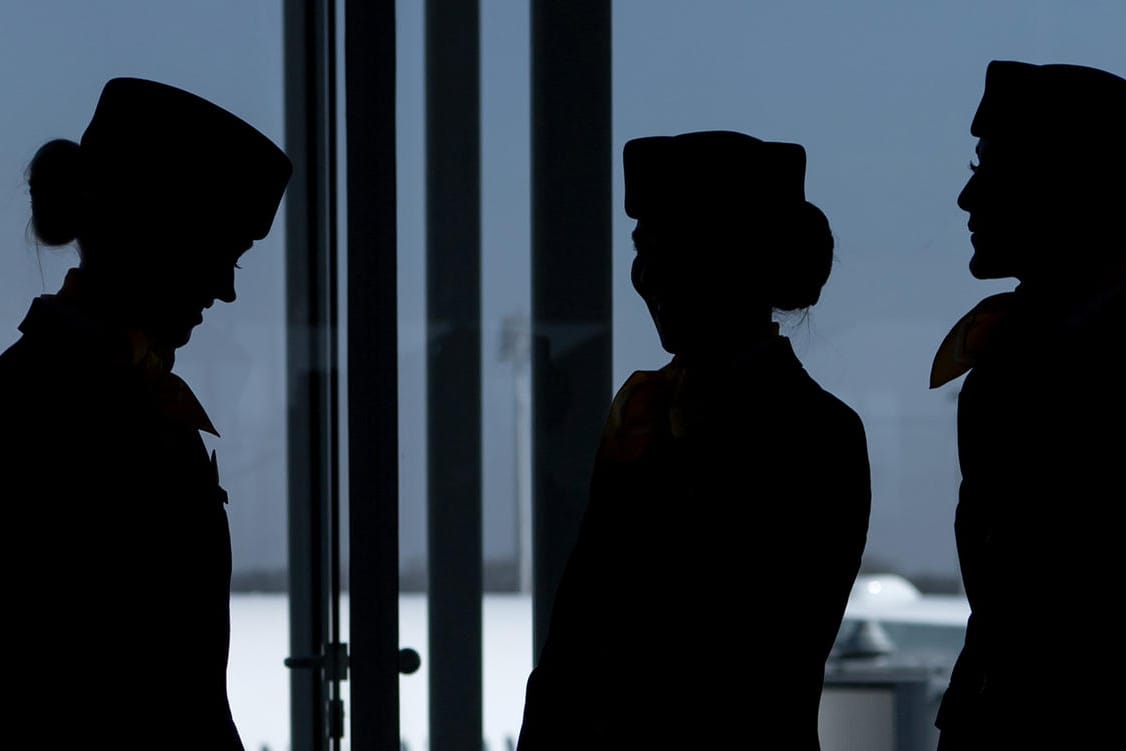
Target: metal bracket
column 335, row 718
column 333, row 660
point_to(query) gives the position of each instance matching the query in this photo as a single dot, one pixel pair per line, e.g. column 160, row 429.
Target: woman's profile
column 730, row 496
column 117, row 569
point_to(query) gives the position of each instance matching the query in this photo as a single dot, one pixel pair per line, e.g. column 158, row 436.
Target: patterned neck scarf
column 973, row 335
column 652, row 405
column 978, row 331
column 71, row 310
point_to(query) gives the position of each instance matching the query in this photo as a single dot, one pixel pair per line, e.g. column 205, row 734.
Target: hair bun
column 54, row 182
column 799, row 273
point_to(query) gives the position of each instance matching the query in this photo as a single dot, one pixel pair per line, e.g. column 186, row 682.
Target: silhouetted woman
column 117, row 559
column 730, row 497
column 1041, row 416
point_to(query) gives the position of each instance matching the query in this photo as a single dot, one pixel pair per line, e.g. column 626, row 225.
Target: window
column 56, row 58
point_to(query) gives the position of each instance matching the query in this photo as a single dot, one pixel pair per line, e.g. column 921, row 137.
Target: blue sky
column 880, row 92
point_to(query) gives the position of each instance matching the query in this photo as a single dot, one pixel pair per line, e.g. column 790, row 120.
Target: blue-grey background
column 880, row 92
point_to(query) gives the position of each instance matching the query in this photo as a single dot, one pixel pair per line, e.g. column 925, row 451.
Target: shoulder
column 44, row 384
column 21, row 372
column 821, row 403
column 642, row 392
column 27, row 415
column 639, row 414
column 14, row 357
column 828, row 410
column 843, row 470
column 840, row 414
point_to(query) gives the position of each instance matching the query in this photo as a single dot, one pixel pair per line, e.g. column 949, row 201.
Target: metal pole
column 453, row 303
column 571, row 273
column 373, row 393
column 525, row 544
column 307, row 364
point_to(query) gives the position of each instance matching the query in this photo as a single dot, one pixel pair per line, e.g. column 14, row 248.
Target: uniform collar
column 69, row 322
column 1050, row 315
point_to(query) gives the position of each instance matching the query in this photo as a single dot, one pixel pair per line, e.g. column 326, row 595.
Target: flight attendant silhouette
column 1040, row 415
column 117, row 569
column 730, row 496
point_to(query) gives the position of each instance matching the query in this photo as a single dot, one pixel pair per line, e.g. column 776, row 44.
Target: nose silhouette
column 968, row 194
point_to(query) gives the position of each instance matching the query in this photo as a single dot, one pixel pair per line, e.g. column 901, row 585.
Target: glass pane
column 54, row 59
column 410, row 170
column 882, row 99
column 506, row 366
column 505, row 305
column 881, row 95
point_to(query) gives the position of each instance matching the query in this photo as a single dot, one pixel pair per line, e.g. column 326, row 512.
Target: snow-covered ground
column 259, row 688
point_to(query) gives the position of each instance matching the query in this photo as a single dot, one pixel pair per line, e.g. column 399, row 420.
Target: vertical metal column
column 571, row 273
column 373, row 396
column 453, row 289
column 308, row 367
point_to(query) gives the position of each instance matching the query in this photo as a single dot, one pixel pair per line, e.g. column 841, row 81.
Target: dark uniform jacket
column 728, row 513
column 117, row 559
column 1040, row 528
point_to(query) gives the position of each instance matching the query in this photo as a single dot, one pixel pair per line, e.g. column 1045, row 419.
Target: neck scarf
column 972, row 335
column 170, row 394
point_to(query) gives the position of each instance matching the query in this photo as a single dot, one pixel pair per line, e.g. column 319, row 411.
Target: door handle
column 409, row 661
column 337, row 661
